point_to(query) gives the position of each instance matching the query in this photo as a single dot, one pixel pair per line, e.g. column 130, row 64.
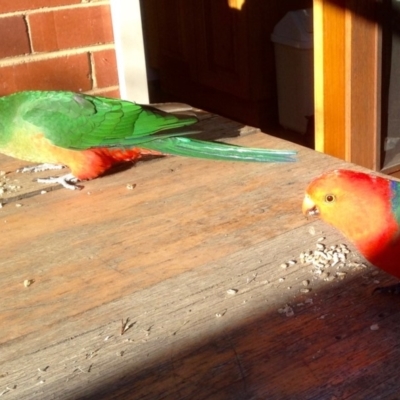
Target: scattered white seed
column 28, row 282
column 305, row 282
column 18, row 205
column 324, row 275
column 374, row 327
column 232, row 291
column 321, row 254
column 131, row 186
column 284, row 265
column 319, row 264
column 304, row 290
column 318, row 272
column 281, row 279
column 43, row 192
column 287, row 310
column 7, row 389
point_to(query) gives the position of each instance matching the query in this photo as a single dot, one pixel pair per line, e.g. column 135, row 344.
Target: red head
column 356, row 203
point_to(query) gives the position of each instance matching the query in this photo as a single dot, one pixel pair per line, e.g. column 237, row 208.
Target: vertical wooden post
column 329, row 58
column 347, row 80
column 363, row 84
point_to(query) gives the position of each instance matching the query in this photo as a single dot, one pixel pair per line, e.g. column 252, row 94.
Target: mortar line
column 26, row 58
column 50, row 9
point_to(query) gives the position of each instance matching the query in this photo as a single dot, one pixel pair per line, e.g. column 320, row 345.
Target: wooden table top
column 189, row 260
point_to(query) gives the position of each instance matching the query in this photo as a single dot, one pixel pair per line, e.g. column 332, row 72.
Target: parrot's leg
column 68, row 181
column 391, row 289
column 40, row 168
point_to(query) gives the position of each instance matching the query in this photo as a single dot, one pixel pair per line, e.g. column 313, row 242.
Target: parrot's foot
column 40, row 168
column 391, row 289
column 68, row 181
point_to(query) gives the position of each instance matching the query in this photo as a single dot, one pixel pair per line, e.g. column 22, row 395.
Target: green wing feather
column 182, row 146
column 79, row 121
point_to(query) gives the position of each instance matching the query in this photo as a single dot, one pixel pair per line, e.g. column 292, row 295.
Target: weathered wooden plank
column 179, row 348
column 165, row 255
column 168, row 224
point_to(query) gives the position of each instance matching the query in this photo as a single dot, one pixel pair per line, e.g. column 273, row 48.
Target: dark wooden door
column 217, row 54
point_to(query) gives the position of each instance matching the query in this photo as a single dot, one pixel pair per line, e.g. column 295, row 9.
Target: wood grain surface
column 175, row 290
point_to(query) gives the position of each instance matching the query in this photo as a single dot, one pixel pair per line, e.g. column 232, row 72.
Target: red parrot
column 90, row 134
column 366, row 209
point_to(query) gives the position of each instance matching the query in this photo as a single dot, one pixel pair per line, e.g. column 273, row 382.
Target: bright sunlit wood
column 347, row 83
column 237, row 4
column 165, row 281
column 318, row 74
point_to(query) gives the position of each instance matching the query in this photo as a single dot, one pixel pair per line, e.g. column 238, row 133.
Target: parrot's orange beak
column 309, row 208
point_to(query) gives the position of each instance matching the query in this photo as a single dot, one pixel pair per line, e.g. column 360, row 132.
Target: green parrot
column 89, row 134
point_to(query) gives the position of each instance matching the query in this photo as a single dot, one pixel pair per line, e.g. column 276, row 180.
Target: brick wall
column 57, row 45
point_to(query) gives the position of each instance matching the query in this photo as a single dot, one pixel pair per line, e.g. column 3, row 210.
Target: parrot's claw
column 68, row 181
column 391, row 289
column 40, row 168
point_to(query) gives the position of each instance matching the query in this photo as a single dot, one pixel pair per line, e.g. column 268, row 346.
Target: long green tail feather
column 182, row 146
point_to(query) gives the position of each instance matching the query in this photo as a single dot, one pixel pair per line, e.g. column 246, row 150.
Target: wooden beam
column 363, row 84
column 329, row 58
column 347, row 83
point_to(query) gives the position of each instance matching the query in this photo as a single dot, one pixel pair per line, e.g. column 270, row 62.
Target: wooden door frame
column 347, row 81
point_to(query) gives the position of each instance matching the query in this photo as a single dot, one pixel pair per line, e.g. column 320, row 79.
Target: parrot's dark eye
column 330, row 198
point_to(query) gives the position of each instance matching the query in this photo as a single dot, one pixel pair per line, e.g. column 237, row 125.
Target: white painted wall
column 128, row 36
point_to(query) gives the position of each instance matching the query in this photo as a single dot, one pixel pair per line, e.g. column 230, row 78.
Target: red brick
column 105, row 68
column 70, row 28
column 22, row 5
column 64, row 73
column 14, row 37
